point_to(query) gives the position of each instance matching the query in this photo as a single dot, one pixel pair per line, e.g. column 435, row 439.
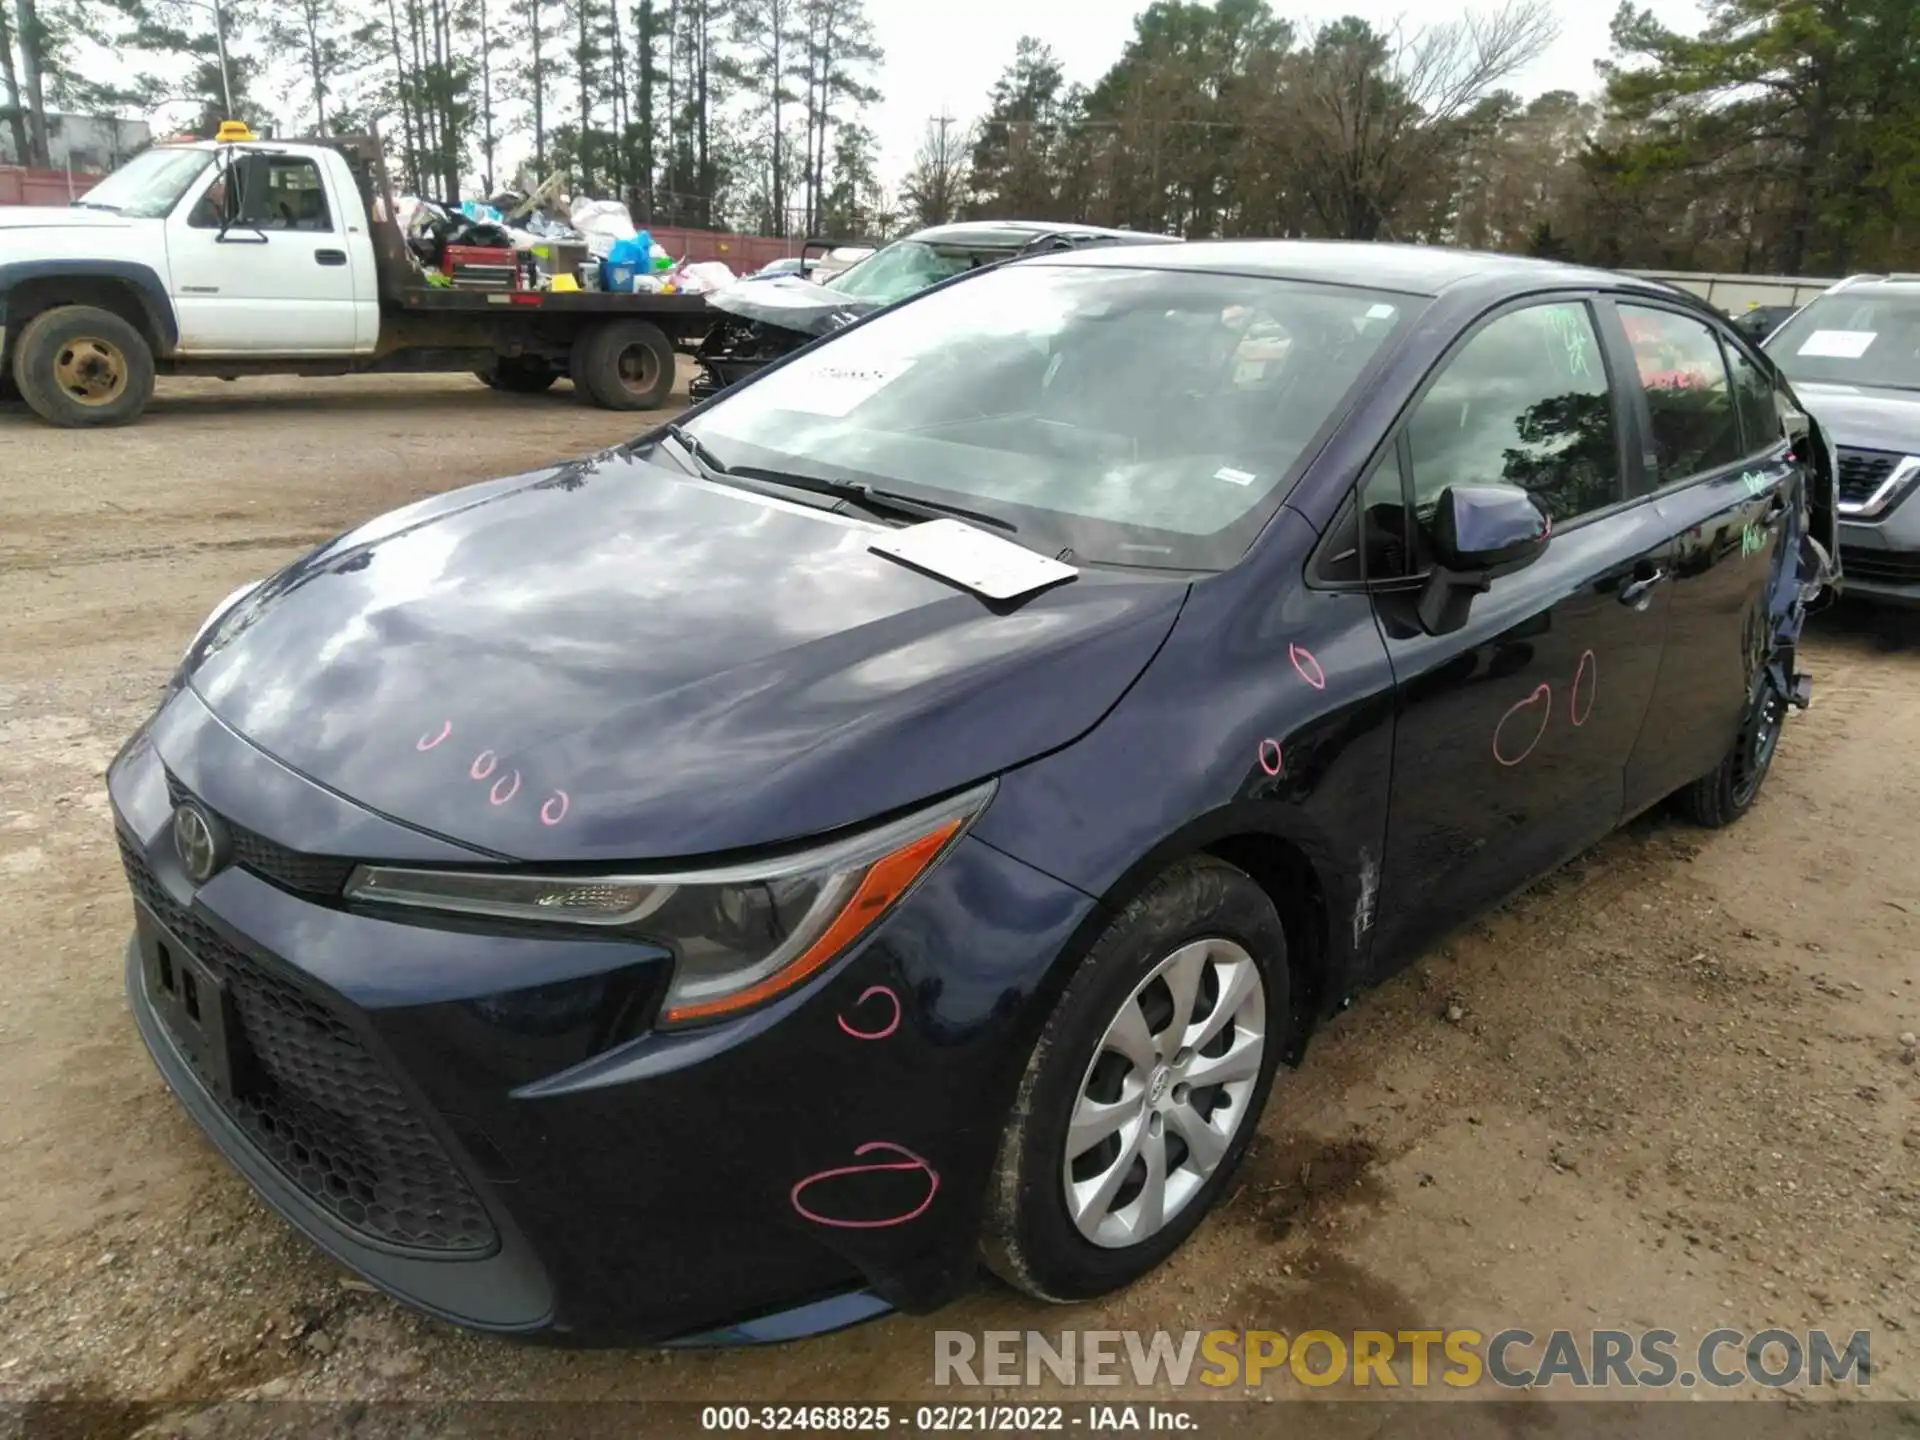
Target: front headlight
column 740, row 934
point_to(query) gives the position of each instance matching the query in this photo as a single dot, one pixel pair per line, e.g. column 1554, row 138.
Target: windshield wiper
column 883, row 502
column 94, row 205
column 879, row 501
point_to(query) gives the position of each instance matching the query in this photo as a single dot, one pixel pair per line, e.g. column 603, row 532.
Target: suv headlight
column 740, row 934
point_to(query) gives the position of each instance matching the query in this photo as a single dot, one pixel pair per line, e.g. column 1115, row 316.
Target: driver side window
column 1525, row 402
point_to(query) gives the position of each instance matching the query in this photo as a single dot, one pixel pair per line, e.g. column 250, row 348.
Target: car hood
column 789, row 302
column 41, row 217
column 609, row 660
column 1865, row 417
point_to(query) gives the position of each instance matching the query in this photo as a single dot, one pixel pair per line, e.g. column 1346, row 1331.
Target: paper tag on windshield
column 1234, row 477
column 1838, row 344
column 836, row 389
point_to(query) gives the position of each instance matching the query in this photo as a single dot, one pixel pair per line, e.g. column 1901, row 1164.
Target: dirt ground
column 1666, row 1087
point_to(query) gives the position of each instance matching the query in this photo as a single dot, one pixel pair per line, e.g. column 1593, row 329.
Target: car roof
column 1409, row 269
column 998, row 234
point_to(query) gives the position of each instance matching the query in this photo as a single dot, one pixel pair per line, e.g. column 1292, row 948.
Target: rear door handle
column 330, row 257
column 1640, row 592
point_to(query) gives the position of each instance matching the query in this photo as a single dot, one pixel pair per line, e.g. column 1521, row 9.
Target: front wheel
column 1728, row 791
column 80, row 366
column 1144, row 1089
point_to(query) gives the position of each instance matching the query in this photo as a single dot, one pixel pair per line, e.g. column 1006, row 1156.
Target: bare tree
column 13, row 110
column 1371, row 117
column 937, row 183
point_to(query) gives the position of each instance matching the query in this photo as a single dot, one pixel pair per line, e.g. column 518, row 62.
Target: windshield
column 1861, row 337
column 904, row 268
column 150, row 184
column 1137, row 417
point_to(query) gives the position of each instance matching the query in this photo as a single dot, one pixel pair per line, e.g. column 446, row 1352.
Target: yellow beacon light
column 233, row 130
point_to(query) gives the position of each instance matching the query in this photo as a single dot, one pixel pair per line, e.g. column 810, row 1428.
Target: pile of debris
column 520, row 242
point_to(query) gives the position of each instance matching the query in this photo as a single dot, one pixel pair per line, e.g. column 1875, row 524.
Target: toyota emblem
column 198, row 838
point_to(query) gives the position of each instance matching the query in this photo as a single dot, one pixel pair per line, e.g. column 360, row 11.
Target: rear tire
column 1728, row 791
column 624, row 365
column 78, row 366
column 1097, row 1180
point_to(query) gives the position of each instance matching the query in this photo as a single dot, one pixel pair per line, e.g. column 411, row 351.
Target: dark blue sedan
column 905, row 814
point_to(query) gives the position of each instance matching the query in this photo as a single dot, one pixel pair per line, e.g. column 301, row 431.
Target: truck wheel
column 519, row 376
column 624, row 365
column 80, row 366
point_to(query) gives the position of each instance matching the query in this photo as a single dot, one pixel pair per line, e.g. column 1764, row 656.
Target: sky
column 952, row 61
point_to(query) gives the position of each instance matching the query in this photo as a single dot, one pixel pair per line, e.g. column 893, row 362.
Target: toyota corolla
column 903, row 814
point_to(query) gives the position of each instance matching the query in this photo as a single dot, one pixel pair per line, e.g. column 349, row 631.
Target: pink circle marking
column 494, row 797
column 551, row 816
column 1546, row 711
column 1271, row 760
column 427, row 742
column 908, row 1161
column 484, row 764
column 1308, row 667
column 885, row 1030
column 1590, row 668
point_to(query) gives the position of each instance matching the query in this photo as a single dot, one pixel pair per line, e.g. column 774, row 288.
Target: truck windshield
column 1139, row 417
column 1858, row 337
column 149, row 185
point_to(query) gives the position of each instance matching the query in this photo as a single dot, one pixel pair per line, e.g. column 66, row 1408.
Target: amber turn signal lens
column 886, row 880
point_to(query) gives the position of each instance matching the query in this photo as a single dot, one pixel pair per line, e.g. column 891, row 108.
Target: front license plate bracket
column 196, row 1009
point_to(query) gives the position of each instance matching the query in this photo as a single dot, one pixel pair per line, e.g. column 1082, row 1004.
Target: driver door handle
column 1640, row 591
column 330, row 257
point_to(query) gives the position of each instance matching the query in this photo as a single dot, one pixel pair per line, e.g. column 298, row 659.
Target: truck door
column 260, row 261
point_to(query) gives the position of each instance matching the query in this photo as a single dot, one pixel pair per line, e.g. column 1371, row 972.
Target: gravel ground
column 1666, row 1087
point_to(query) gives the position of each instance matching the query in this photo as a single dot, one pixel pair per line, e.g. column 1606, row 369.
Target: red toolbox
column 482, row 267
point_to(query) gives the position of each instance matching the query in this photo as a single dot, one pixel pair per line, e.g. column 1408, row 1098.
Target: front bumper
column 449, row 1114
column 1880, row 559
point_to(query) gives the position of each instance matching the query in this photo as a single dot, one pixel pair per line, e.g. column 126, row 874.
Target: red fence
column 41, row 187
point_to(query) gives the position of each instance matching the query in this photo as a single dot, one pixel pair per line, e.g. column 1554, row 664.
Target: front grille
column 321, row 1108
column 319, row 877
column 1862, row 472
column 1888, row 567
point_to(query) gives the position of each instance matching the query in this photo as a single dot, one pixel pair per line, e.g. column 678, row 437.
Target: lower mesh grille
column 321, row 1108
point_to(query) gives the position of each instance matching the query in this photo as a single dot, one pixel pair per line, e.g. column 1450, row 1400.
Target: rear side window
column 1524, row 402
column 1753, row 399
column 1682, row 370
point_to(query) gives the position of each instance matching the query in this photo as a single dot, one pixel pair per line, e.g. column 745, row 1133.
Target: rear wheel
column 1728, row 791
column 1144, row 1089
column 80, row 366
column 624, row 365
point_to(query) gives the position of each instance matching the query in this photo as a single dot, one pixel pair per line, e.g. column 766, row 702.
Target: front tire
column 1144, row 1089
column 1728, row 791
column 78, row 366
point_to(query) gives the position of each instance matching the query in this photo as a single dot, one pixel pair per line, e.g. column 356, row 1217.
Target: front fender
column 42, row 275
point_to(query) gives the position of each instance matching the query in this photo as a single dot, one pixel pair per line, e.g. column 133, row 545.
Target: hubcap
column 1167, row 1091
column 93, row 372
column 639, row 368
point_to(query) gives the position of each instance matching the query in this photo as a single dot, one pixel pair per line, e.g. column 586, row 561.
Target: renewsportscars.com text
column 1513, row 1359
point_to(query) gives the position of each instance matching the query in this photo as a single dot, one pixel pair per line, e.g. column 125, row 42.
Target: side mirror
column 1478, row 532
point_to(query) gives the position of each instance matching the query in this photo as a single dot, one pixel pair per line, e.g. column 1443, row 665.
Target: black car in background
column 1853, row 356
column 776, row 316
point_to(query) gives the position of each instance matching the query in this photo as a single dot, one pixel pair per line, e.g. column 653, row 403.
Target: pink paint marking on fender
column 1589, row 668
column 484, row 764
column 494, row 797
column 427, row 742
column 548, row 814
column 1541, row 693
column 908, row 1161
column 1271, row 760
column 884, row 1031
column 1308, row 667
